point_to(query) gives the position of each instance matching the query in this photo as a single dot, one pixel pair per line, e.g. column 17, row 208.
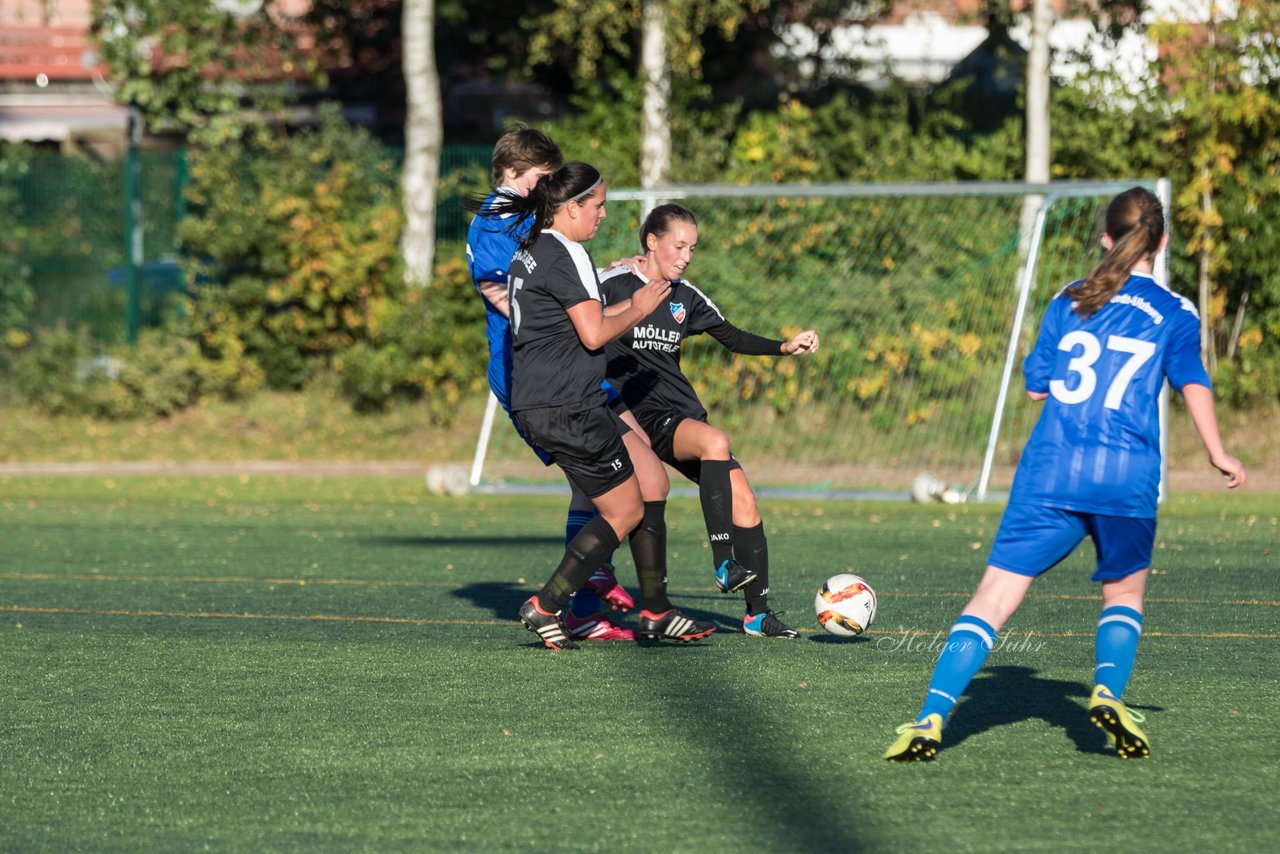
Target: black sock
column 649, row 552
column 716, row 493
column 584, row 554
column 752, row 550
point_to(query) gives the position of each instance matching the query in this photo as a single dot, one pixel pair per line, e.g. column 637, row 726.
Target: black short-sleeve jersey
column 550, row 364
column 644, row 364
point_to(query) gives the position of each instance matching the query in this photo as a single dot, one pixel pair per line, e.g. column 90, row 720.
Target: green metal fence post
column 180, row 186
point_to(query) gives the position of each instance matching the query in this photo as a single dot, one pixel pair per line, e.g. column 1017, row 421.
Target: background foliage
column 16, row 295
column 292, row 265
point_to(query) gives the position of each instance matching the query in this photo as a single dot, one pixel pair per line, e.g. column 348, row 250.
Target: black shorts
column 586, row 443
column 662, row 437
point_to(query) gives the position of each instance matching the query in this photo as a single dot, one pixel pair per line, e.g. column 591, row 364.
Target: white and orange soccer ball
column 846, row 605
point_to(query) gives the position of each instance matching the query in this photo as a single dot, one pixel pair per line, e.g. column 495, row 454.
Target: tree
column 1223, row 74
column 193, row 66
column 671, row 47
column 655, row 124
column 423, row 137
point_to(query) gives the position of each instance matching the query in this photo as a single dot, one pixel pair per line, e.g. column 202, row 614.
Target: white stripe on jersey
column 616, row 271
column 582, row 261
column 1187, row 305
column 705, row 298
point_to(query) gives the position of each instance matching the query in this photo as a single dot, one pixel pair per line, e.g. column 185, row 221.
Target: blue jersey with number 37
column 1096, row 447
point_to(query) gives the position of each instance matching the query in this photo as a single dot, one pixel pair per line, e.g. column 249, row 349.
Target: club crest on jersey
column 677, row 311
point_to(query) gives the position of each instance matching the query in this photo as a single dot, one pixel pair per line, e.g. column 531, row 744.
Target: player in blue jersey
column 520, row 158
column 1091, row 468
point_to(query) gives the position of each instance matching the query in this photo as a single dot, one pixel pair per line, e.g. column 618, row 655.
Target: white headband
column 584, row 193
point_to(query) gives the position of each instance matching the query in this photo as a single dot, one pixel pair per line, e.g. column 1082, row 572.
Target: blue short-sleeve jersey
column 491, row 243
column 1096, row 446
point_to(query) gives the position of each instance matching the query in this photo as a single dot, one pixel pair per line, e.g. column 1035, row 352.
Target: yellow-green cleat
column 918, row 741
column 1120, row 722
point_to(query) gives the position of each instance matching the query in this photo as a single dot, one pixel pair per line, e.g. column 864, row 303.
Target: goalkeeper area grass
column 276, row 663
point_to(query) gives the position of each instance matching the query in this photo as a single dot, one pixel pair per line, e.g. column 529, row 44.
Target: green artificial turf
column 276, row 664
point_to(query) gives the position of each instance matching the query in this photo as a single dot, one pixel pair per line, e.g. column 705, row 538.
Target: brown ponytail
column 1135, row 223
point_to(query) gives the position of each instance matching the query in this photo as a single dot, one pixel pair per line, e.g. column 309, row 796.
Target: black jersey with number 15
column 550, row 364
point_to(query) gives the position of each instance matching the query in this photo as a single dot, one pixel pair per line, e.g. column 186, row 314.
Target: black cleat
column 732, row 576
column 767, row 624
column 672, row 625
column 546, row 626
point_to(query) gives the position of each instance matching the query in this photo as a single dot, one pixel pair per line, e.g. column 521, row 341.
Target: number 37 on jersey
column 1083, row 380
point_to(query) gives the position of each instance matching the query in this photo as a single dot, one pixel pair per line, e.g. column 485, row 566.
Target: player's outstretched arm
column 595, row 328
column 1200, row 405
column 805, row 342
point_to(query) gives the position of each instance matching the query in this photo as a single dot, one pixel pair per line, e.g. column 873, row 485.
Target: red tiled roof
column 59, row 52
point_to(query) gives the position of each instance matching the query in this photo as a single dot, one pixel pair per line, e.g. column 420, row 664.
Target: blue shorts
column 1034, row 539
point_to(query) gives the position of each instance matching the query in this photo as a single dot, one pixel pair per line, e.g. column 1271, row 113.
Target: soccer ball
column 448, row 480
column 925, row 488
column 846, row 605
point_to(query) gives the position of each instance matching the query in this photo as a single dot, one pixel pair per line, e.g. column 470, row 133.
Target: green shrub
column 16, row 296
column 64, row 372
column 300, row 245
column 430, row 346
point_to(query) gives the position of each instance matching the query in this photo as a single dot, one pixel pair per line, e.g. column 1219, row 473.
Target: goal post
column 924, row 303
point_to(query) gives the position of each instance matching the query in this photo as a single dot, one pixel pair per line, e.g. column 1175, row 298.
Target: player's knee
column 716, row 445
column 628, row 519
column 656, row 486
column 746, row 513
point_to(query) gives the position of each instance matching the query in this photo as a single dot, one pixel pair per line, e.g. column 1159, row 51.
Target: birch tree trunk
column 1037, row 119
column 1038, row 93
column 423, row 138
column 655, row 129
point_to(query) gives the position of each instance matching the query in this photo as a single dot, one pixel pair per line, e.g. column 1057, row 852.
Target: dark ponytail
column 1135, row 222
column 571, row 182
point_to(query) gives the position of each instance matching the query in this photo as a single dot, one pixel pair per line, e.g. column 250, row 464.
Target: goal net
column 926, row 299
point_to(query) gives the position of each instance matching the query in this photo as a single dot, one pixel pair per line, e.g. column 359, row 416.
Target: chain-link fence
column 71, row 224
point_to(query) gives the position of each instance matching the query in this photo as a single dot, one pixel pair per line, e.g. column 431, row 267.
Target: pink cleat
column 595, row 628
column 606, row 586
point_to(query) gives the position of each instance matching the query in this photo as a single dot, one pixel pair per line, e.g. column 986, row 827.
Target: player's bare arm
column 596, row 328
column 1200, row 406
column 496, row 294
column 617, row 308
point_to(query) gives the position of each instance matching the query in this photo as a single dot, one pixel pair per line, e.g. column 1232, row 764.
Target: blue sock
column 585, row 602
column 966, row 648
column 1116, row 646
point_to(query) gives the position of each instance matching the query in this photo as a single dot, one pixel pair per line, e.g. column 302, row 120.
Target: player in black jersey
column 644, row 365
column 559, row 328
